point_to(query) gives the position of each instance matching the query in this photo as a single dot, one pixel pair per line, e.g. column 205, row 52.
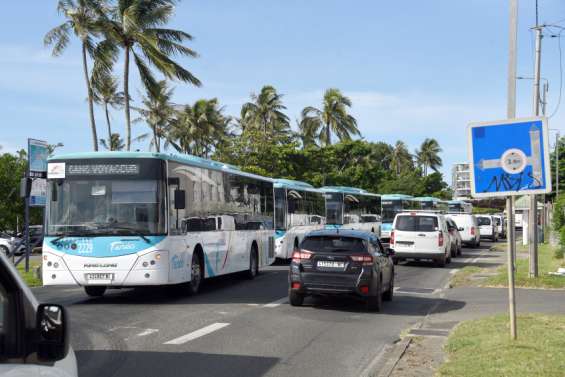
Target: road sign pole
column 511, row 249
column 511, row 113
column 533, row 212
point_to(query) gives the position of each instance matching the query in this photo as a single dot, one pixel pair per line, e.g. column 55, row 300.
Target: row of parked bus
column 122, row 219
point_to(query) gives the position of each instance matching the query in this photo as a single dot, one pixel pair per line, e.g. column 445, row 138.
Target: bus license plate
column 330, row 264
column 99, row 277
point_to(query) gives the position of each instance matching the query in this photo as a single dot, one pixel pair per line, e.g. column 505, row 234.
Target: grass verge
column 483, row 348
column 29, row 277
column 546, row 263
column 463, row 277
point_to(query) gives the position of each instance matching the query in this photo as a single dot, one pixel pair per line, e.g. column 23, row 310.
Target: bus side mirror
column 180, row 202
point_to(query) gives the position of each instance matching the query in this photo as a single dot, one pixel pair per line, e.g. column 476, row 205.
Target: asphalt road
column 236, row 327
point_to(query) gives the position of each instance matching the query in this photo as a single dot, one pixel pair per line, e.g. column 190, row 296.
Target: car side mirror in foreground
column 53, row 332
column 389, row 252
column 460, row 229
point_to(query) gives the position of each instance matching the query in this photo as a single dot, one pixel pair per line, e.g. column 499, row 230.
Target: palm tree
column 105, row 91
column 136, row 27
column 199, row 128
column 428, row 155
column 307, row 134
column 115, row 143
column 158, row 112
column 333, row 118
column 265, row 112
column 81, row 20
column 400, row 157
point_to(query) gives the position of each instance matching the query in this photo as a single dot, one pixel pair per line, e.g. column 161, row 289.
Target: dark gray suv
column 337, row 262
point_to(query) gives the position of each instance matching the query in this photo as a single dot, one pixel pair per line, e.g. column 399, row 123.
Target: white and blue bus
column 126, row 219
column 429, row 203
column 391, row 205
column 459, row 206
column 299, row 208
column 352, row 208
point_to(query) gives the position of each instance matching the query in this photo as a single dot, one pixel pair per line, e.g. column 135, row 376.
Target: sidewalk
column 420, row 352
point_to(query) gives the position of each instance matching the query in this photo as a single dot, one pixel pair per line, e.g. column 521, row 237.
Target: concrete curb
column 396, row 354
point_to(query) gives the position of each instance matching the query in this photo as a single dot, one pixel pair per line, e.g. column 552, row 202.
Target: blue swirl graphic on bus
column 100, row 247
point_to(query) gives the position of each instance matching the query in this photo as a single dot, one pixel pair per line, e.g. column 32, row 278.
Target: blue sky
column 413, row 69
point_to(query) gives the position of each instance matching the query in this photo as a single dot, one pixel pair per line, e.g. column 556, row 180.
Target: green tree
column 105, row 90
column 136, row 26
column 400, row 158
column 332, row 118
column 428, row 155
column 265, row 113
column 81, row 20
column 200, row 128
column 158, row 113
column 114, row 143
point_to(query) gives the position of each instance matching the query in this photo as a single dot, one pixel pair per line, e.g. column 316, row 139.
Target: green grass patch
column 546, row 263
column 30, row 277
column 483, row 348
column 463, row 276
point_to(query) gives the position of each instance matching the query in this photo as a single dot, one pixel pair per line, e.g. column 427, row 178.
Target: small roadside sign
column 509, row 157
column 38, row 151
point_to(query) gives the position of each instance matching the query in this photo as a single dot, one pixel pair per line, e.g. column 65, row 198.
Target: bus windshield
column 390, row 209
column 106, row 206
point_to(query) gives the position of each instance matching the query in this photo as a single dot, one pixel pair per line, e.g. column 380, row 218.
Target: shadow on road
column 234, row 288
column 175, row 364
column 402, row 305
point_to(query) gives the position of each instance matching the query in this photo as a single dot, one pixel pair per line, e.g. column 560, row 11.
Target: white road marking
column 274, row 304
column 147, row 332
column 198, row 333
column 252, row 304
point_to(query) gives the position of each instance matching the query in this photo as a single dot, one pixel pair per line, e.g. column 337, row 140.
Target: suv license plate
column 99, row 277
column 330, row 264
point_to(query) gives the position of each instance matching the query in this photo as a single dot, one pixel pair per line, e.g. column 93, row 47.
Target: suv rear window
column 334, row 244
column 416, row 223
column 483, row 221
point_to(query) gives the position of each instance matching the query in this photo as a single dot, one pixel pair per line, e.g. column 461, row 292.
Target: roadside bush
column 559, row 213
column 560, row 251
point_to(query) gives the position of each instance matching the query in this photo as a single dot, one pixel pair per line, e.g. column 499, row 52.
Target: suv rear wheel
column 375, row 303
column 441, row 261
column 295, row 298
column 387, row 296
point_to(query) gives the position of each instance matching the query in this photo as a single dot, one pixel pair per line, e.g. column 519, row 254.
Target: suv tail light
column 391, row 238
column 440, row 239
column 300, row 254
column 472, row 231
column 366, row 260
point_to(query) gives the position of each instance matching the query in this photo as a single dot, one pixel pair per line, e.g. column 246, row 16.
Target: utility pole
column 511, row 113
column 533, row 212
column 557, row 164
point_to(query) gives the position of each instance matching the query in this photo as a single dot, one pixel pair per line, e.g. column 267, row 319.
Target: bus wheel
column 253, row 263
column 196, row 273
column 95, row 290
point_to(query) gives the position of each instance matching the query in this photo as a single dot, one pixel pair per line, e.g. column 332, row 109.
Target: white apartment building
column 461, row 181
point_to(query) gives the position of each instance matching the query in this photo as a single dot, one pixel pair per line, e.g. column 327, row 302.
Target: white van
column 468, row 228
column 500, row 225
column 487, row 227
column 421, row 235
column 34, row 338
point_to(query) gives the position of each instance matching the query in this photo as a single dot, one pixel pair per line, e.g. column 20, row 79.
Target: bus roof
column 458, row 202
column 347, row 190
column 181, row 158
column 396, row 196
column 295, row 185
column 427, row 199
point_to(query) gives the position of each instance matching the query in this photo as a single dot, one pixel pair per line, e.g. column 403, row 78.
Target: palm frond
column 58, row 37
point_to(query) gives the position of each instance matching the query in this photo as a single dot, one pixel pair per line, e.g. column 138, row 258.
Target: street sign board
column 37, row 152
column 509, row 157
